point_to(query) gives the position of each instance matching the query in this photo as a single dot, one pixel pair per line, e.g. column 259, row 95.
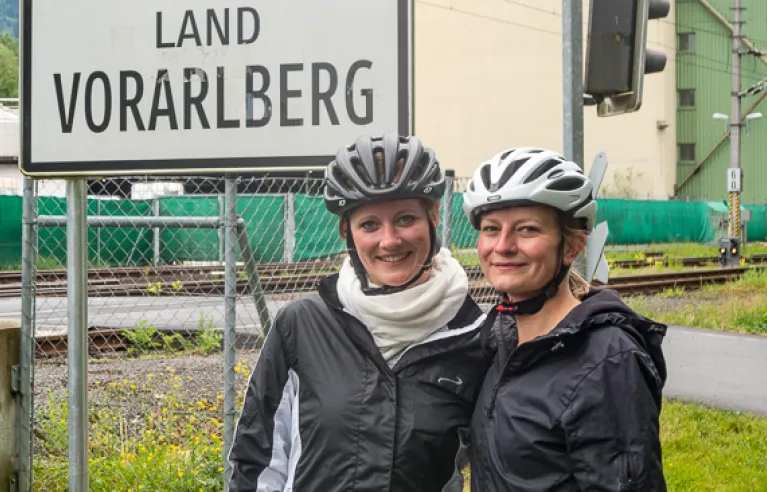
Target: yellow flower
column 180, row 474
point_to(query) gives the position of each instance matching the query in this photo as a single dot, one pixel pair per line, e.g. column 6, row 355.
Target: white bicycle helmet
column 530, row 176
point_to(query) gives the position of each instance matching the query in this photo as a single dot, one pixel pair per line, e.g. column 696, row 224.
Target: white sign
column 145, row 87
column 733, row 179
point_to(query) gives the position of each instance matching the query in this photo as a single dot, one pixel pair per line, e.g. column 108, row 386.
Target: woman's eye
column 368, row 226
column 406, row 219
column 489, row 229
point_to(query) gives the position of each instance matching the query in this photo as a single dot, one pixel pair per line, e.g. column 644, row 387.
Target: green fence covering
column 316, row 230
column 264, row 225
column 10, row 231
column 189, row 244
column 648, row 221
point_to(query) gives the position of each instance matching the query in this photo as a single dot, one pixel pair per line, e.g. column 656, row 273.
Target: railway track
column 295, row 278
column 184, row 272
column 110, row 341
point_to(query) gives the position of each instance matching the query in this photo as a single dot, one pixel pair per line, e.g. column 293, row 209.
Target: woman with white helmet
column 369, row 385
column 572, row 400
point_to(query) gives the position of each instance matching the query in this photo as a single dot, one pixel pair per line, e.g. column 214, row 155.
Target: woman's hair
column 571, row 228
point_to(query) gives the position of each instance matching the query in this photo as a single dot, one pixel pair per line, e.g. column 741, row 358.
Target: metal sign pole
column 77, row 293
column 230, row 317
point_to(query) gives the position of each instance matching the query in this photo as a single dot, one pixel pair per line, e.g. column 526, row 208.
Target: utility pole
column 729, row 248
column 734, row 229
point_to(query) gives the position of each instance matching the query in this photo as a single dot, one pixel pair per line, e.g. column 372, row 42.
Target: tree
column 9, row 72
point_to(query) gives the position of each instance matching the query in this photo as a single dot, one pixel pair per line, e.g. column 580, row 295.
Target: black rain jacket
column 574, row 410
column 324, row 412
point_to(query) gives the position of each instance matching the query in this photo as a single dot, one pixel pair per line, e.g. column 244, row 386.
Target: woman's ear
column 574, row 244
column 342, row 228
column 434, row 214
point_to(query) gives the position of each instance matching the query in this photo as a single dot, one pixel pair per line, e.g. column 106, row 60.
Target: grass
column 150, row 434
column 468, row 257
column 739, row 306
column 705, row 449
column 145, row 437
column 708, row 449
column 675, row 250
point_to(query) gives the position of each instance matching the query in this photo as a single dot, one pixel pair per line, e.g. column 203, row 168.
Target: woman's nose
column 390, row 238
column 506, row 243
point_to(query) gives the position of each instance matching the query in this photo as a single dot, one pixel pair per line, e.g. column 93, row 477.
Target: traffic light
column 617, row 58
column 729, row 251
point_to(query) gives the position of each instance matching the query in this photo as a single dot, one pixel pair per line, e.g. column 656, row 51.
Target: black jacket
column 574, row 410
column 324, row 412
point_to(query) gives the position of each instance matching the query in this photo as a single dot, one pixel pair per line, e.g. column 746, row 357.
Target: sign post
column 193, row 87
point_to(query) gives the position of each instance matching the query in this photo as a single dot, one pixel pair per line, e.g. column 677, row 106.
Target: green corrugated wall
column 708, row 70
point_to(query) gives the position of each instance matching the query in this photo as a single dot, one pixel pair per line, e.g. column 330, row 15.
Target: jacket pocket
column 630, row 479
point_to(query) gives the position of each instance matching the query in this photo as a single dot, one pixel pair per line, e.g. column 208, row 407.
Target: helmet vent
column 359, row 168
column 508, row 173
column 566, row 184
column 343, row 179
column 542, row 169
column 485, row 175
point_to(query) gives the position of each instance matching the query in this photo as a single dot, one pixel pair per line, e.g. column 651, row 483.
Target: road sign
column 207, row 86
column 733, row 179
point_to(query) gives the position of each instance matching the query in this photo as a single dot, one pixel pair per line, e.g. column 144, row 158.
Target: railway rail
column 294, row 278
column 111, row 341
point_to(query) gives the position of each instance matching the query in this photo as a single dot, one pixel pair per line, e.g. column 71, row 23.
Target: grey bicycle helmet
column 382, row 168
column 389, row 167
column 532, row 176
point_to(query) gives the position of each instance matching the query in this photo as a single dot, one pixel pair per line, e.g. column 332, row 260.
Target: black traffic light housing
column 617, row 58
column 729, row 251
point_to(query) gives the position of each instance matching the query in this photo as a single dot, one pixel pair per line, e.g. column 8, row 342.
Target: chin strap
column 359, row 269
column 535, row 304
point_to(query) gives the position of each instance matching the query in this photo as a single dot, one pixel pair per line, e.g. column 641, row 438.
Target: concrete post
column 10, row 338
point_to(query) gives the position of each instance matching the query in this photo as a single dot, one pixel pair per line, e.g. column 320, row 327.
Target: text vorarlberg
column 222, row 27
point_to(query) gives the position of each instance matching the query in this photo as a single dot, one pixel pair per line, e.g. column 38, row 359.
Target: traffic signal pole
column 572, row 77
column 572, row 92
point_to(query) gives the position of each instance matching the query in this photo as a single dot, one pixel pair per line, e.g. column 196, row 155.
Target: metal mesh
column 158, row 374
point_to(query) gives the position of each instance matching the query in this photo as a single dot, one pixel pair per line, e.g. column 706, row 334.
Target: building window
column 686, row 98
column 686, row 41
column 687, row 152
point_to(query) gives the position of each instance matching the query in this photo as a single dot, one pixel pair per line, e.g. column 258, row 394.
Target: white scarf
column 401, row 319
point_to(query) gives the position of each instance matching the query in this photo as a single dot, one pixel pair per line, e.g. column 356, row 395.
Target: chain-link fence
column 172, row 332
column 160, row 409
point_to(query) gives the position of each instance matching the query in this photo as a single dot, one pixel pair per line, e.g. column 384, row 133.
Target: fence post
column 155, row 233
column 230, row 319
column 447, row 210
column 289, row 248
column 221, row 230
column 254, row 281
column 27, row 351
column 10, row 335
column 77, row 346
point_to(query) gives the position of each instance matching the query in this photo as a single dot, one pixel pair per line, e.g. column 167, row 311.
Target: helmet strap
column 535, row 304
column 359, row 268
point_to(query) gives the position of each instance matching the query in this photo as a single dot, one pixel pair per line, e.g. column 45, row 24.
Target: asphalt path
column 721, row 369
